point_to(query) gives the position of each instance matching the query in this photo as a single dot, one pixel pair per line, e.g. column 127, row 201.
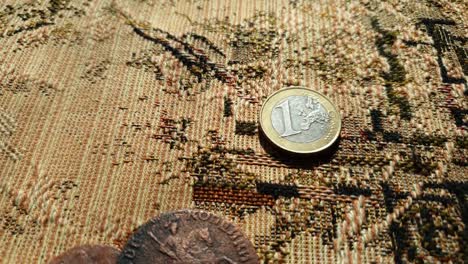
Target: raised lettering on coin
column 190, row 237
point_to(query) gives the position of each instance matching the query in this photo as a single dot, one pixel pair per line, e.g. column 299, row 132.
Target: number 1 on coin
column 288, row 130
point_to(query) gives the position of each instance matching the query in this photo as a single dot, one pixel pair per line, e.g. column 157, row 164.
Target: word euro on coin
column 88, row 255
column 300, row 120
column 188, row 236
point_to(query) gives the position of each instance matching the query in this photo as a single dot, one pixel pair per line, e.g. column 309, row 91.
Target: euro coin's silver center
column 300, row 118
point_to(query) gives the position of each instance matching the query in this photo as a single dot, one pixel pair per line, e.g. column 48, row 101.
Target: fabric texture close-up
column 114, row 112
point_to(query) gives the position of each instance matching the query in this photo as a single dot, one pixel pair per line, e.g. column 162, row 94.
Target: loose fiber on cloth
column 112, row 112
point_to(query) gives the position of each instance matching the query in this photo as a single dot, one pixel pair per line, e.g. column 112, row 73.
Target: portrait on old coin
column 189, row 236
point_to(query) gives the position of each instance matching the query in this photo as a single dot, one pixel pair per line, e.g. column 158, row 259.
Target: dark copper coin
column 186, row 237
column 88, row 255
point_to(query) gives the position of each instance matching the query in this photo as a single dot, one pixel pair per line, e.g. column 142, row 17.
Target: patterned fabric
column 112, row 112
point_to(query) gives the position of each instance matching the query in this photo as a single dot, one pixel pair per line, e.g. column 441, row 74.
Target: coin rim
column 86, row 248
column 311, row 144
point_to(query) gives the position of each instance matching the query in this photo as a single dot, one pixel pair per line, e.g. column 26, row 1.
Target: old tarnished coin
column 88, row 255
column 186, row 237
column 300, row 120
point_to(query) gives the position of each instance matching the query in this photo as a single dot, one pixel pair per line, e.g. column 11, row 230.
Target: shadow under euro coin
column 298, row 160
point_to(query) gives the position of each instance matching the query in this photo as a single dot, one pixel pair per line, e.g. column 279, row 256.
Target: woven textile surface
column 112, row 112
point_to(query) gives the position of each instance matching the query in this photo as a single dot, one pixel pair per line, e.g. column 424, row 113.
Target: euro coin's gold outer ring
column 302, row 148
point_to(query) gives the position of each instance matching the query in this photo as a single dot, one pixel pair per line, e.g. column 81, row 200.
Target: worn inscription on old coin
column 96, row 254
column 186, row 237
column 300, row 120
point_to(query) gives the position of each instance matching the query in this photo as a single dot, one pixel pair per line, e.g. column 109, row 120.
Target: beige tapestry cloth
column 112, row 112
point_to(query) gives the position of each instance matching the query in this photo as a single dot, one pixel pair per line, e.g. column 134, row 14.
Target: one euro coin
column 300, row 120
